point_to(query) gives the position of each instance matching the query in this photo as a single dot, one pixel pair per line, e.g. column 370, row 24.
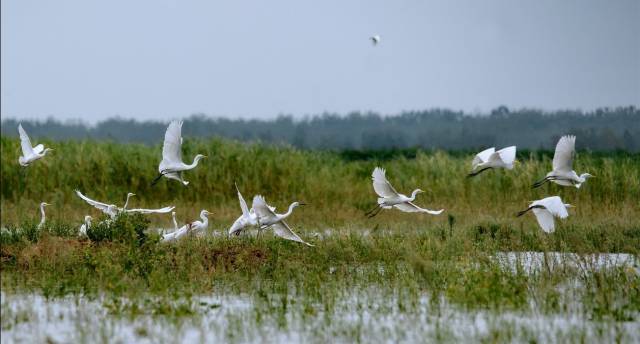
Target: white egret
column 201, row 226
column 112, row 210
column 43, row 216
column 563, row 173
column 177, row 234
column 490, row 158
column 375, row 39
column 267, row 217
column 248, row 217
column 545, row 209
column 30, row 154
column 85, row 226
column 389, row 197
column 171, row 165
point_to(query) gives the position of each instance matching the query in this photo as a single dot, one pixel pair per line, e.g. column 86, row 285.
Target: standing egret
column 43, row 217
column 375, row 39
column 201, row 226
column 85, row 226
column 389, row 197
column 171, row 165
column 563, row 173
column 248, row 217
column 267, row 217
column 29, row 154
column 112, row 210
column 545, row 209
column 489, row 158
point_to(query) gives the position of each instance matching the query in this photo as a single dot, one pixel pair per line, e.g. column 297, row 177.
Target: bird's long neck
column 205, row 219
column 285, row 215
column 414, row 193
column 195, row 162
column 175, row 223
column 126, row 202
column 43, row 215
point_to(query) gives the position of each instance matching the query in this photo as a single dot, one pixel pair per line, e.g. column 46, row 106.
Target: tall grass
column 336, row 187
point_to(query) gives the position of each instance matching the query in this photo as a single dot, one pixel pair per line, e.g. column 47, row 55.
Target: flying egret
column 43, row 217
column 389, row 197
column 171, row 165
column 29, row 154
column 375, row 39
column 545, row 209
column 85, row 226
column 248, row 217
column 112, row 210
column 563, row 173
column 490, row 158
column 267, row 217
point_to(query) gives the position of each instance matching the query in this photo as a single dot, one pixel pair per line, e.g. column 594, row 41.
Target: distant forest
column 600, row 130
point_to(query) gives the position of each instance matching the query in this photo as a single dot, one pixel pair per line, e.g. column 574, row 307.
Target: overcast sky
column 254, row 58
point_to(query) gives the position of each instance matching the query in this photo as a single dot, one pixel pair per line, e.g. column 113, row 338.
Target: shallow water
column 362, row 314
column 531, row 262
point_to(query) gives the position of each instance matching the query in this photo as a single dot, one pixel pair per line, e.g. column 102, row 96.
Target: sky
column 163, row 59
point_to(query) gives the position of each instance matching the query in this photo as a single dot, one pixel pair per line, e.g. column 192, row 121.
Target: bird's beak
column 301, row 203
column 204, row 156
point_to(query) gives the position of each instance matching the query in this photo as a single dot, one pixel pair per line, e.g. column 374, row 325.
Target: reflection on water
column 368, row 315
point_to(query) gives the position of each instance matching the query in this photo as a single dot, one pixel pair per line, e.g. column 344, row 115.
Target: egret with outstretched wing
column 112, row 210
column 389, row 197
column 490, row 158
column 248, row 217
column 29, row 154
column 267, row 217
column 563, row 173
column 545, row 210
column 171, row 165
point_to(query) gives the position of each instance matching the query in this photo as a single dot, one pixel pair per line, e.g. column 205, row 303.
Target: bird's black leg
column 520, row 213
column 156, row 179
column 542, row 181
column 378, row 210
column 372, row 210
column 472, row 174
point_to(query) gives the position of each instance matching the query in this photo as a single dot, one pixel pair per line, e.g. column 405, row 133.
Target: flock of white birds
column 263, row 216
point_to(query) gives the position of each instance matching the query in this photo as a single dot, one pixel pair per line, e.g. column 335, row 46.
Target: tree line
column 604, row 129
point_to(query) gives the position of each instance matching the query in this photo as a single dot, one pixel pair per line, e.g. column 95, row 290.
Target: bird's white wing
column 238, row 225
column 172, row 148
column 243, row 204
column 565, row 150
column 545, row 219
column 409, row 207
column 27, row 150
column 99, row 205
column 283, row 230
column 507, row 155
column 261, row 207
column 555, row 206
column 151, row 211
column 381, row 185
column 38, row 149
column 482, row 157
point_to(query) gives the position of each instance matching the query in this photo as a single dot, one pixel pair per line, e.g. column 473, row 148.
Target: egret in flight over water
column 112, row 210
column 389, row 197
column 490, row 158
column 171, row 165
column 563, row 173
column 43, row 216
column 29, row 154
column 545, row 209
column 248, row 217
column 267, row 217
